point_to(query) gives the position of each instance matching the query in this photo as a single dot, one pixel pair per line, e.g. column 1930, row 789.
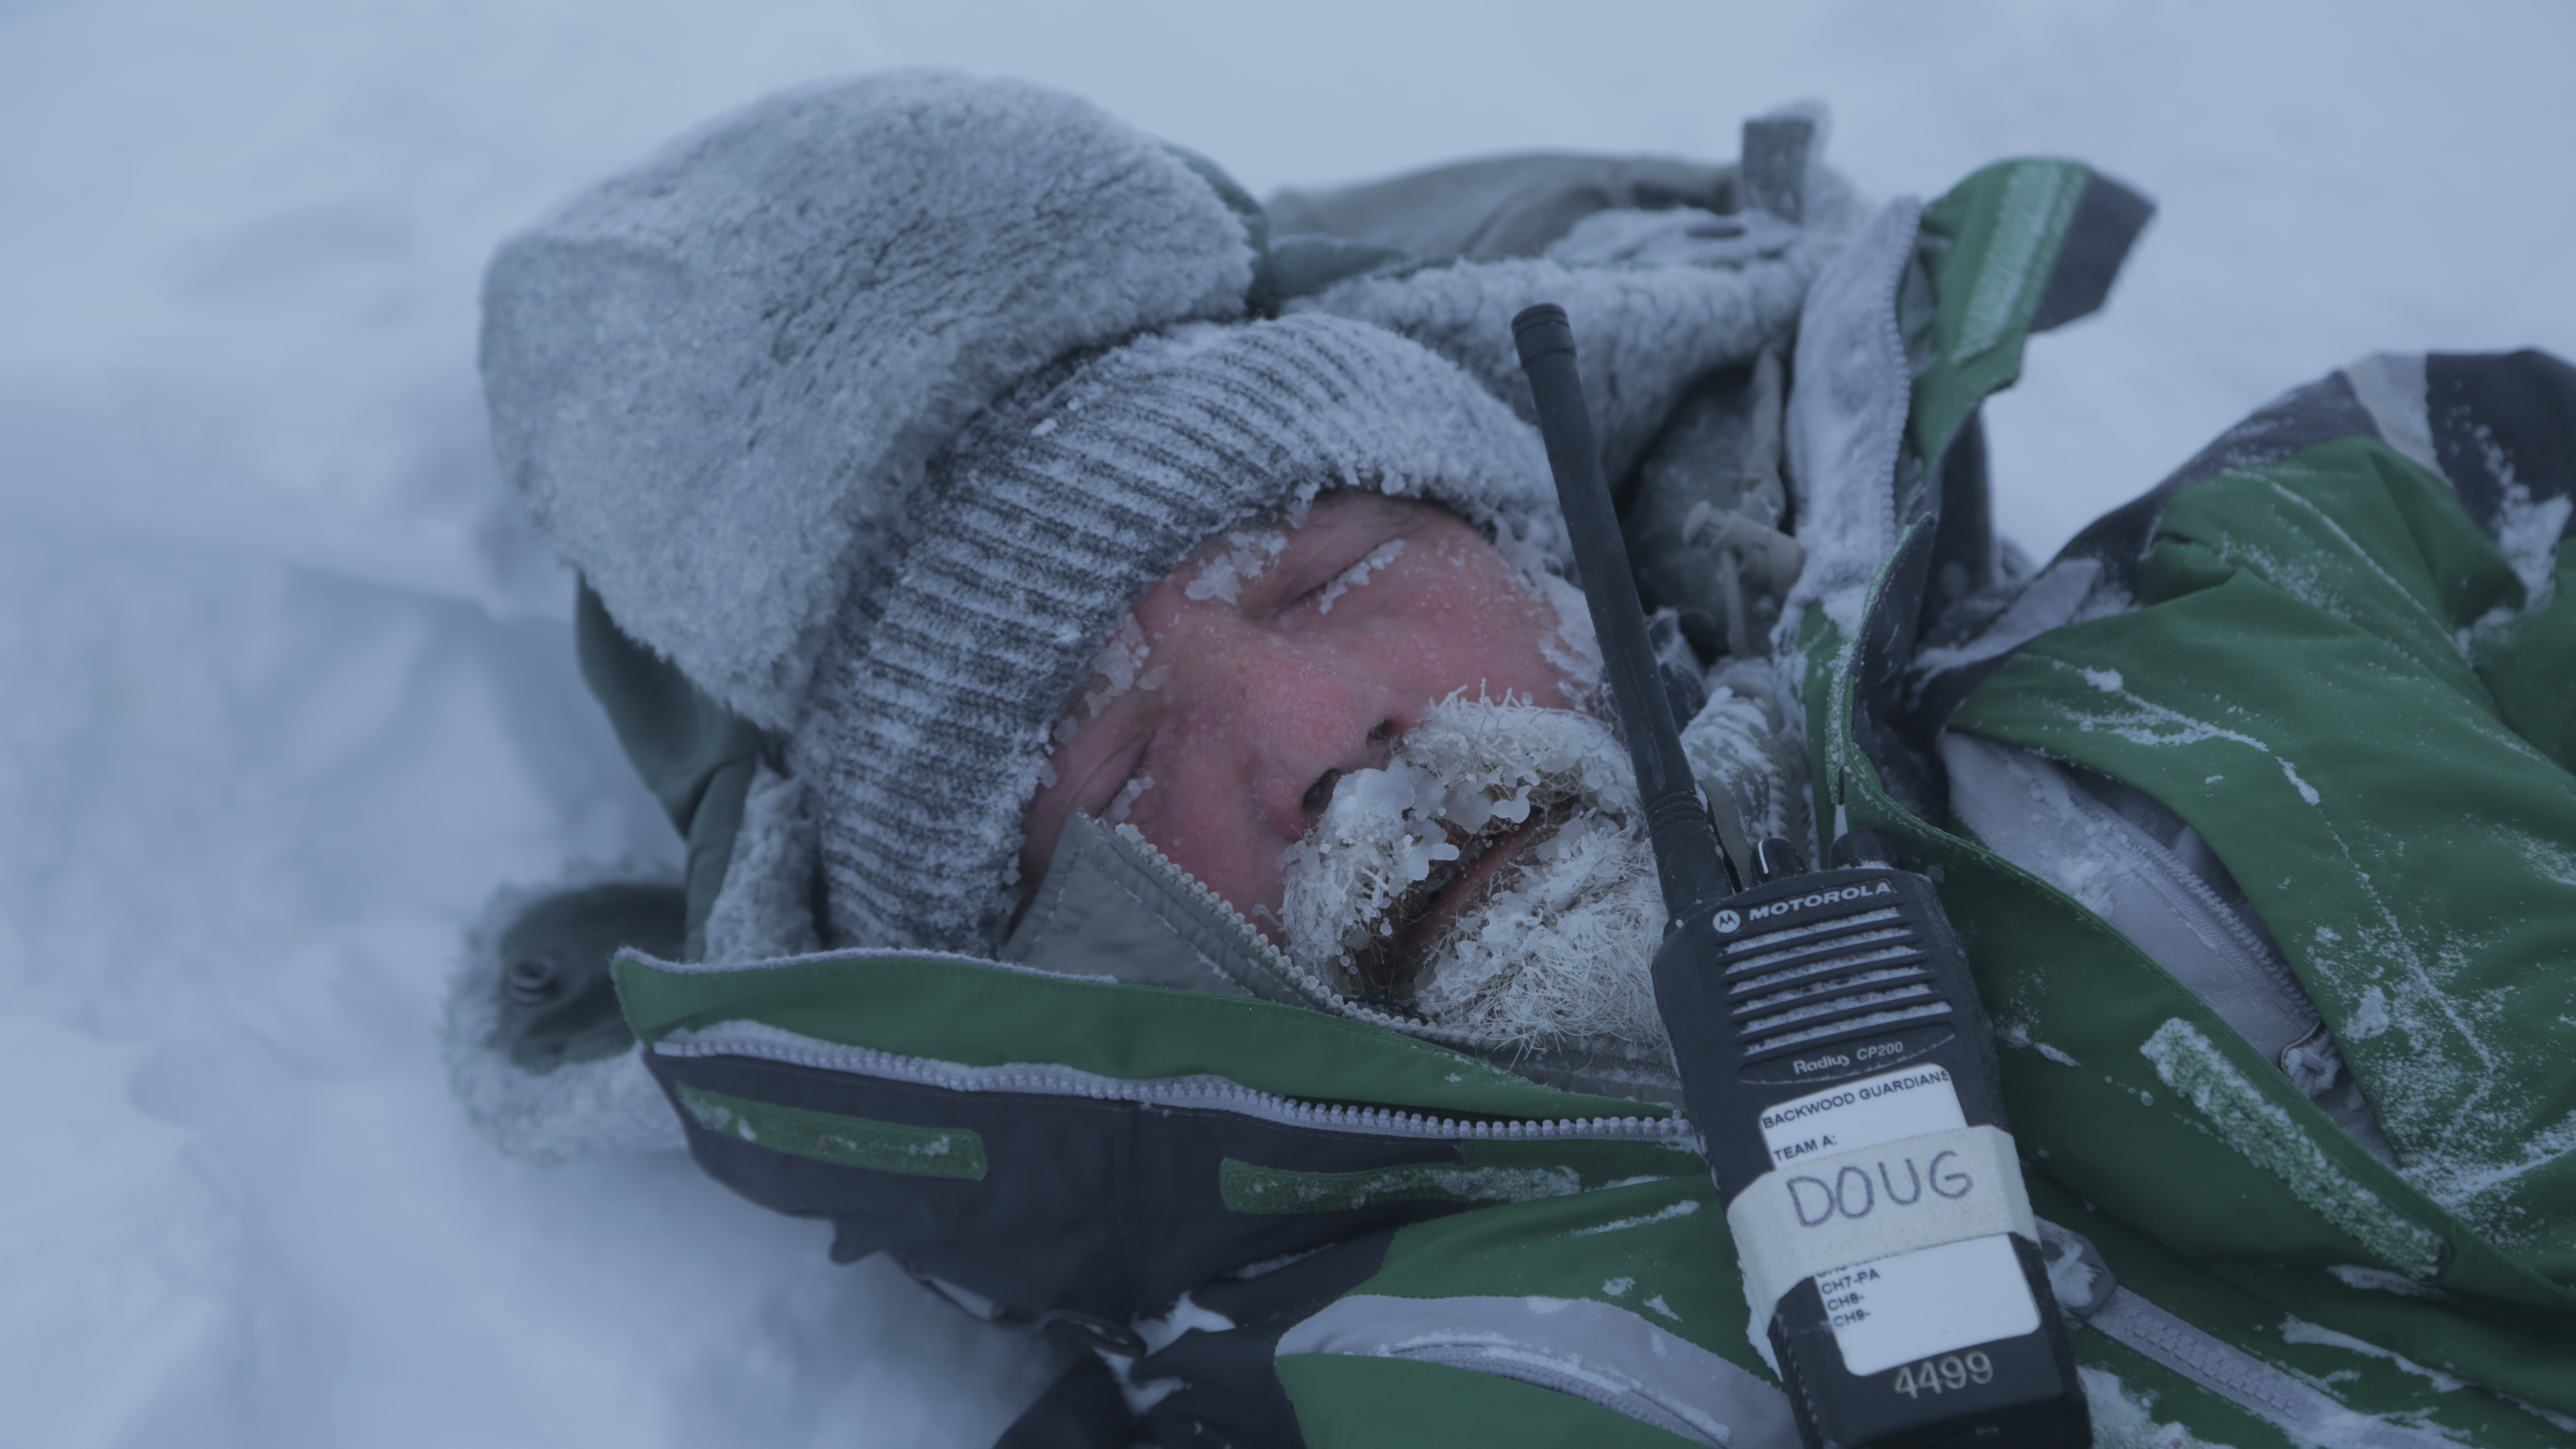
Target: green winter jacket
column 1282, row 1219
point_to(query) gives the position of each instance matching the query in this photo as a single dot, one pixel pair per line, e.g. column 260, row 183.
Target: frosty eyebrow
column 1357, row 574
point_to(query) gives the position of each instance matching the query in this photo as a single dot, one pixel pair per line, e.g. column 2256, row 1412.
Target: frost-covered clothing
column 1282, row 1219
column 2264, row 780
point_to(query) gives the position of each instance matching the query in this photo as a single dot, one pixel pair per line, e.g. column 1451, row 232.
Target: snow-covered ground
column 286, row 691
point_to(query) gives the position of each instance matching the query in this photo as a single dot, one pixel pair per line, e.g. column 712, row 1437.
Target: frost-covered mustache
column 1392, row 895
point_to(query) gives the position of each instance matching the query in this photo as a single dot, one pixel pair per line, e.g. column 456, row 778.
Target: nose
column 1315, row 721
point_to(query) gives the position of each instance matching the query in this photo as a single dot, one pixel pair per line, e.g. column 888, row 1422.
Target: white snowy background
column 286, row 690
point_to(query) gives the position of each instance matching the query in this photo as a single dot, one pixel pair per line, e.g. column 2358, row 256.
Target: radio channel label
column 1932, row 1301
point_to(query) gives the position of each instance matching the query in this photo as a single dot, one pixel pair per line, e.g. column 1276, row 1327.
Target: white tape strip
column 1832, row 1212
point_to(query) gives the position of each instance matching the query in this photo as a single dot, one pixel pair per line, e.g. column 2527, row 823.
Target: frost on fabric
column 2444, row 1090
column 2299, row 1330
column 1682, row 1209
column 2382, row 1281
column 2307, row 577
column 1680, row 234
column 2527, row 534
column 579, row 1110
column 1290, row 1192
column 765, row 907
column 1845, row 423
column 1749, row 741
column 1558, row 1355
column 2074, row 1279
column 2124, row 1418
column 2549, row 860
column 2563, row 1423
column 2147, row 722
column 1158, row 1334
column 2259, row 1129
column 2526, row 531
column 1185, row 1316
column 2480, row 1189
column 2087, row 874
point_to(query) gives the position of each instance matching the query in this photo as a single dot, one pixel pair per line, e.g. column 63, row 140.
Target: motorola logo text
column 1821, row 898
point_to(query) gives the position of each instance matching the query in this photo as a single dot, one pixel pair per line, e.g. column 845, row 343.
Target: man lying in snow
column 1156, row 866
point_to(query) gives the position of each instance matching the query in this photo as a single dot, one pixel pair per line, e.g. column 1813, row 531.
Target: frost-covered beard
column 1495, row 877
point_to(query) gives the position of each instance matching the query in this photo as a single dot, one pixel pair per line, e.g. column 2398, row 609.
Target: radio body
column 1843, row 1075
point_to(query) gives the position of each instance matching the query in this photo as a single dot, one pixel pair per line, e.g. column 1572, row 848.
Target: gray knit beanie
column 875, row 406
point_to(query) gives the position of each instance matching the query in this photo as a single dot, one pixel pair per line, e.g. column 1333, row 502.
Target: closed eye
column 1332, row 589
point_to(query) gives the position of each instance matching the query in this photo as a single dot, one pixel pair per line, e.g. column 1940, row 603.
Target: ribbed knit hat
column 873, row 407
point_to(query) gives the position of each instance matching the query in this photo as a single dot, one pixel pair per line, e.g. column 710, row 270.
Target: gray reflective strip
column 2307, row 1413
column 1594, row 1351
column 2024, row 808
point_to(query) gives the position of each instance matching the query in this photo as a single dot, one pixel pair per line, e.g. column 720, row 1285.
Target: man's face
column 1278, row 660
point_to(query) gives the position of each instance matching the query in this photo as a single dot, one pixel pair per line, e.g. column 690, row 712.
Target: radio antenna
column 1689, row 863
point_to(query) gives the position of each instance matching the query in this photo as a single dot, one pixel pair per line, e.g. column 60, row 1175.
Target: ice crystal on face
column 1358, row 574
column 1124, row 803
column 1571, row 646
column 1117, row 668
column 1556, row 948
column 1249, row 554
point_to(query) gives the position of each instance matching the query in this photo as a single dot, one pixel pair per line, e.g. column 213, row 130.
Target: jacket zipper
column 741, row 1039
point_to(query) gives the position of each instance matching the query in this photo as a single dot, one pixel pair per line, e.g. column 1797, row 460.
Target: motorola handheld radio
column 1839, row 1065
